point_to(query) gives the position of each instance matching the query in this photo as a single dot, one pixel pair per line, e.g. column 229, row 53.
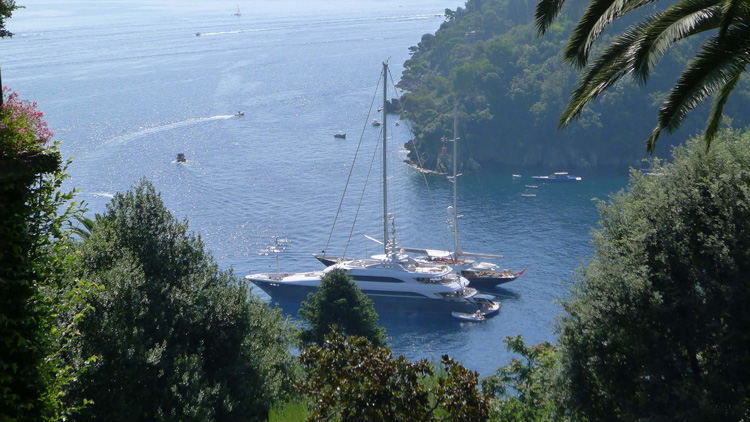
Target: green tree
column 716, row 69
column 38, row 316
column 525, row 389
column 6, row 11
column 657, row 326
column 177, row 338
column 340, row 303
column 352, row 380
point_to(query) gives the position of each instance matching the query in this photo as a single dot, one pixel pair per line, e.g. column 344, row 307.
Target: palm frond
column 638, row 49
column 597, row 17
column 689, row 17
column 546, row 12
column 713, row 68
column 730, row 10
column 608, row 68
column 717, row 111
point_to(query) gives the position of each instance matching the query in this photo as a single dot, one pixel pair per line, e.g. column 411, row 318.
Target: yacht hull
column 391, row 301
column 488, row 282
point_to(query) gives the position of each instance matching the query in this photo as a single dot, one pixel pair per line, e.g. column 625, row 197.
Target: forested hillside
column 512, row 86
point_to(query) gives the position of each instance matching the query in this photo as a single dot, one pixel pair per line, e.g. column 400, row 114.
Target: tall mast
column 385, row 159
column 456, row 248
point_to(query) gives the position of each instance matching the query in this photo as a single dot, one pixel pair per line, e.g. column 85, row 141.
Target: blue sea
column 126, row 85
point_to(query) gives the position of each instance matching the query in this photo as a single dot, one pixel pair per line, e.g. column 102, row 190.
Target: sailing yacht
column 481, row 275
column 237, row 13
column 394, row 281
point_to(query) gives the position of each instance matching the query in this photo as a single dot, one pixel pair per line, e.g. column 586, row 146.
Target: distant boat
column 375, row 122
column 339, row 134
column 197, row 34
column 516, row 176
column 237, row 13
column 528, row 195
column 531, row 186
column 181, row 158
column 560, row 176
column 239, row 113
column 464, row 316
column 398, row 123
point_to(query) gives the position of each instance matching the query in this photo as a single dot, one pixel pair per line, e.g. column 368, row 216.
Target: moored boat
column 560, row 176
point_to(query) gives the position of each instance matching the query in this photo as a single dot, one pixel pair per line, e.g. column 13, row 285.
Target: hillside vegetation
column 512, row 86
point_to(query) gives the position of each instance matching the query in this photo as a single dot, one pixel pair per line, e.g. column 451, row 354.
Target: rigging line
column 351, row 169
column 362, row 196
column 410, row 126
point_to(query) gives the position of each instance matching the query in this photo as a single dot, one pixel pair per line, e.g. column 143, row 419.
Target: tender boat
column 560, row 176
column 375, row 122
column 239, row 113
column 339, row 134
column 477, row 316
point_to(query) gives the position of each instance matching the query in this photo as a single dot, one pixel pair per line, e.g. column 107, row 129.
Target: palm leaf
column 682, row 20
column 637, row 50
column 713, row 69
column 597, row 17
column 714, row 119
column 730, row 10
column 546, row 13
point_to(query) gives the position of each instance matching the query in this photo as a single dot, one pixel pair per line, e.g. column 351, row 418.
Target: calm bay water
column 126, row 85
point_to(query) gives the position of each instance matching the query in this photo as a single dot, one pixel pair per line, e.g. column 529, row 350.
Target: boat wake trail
column 149, row 131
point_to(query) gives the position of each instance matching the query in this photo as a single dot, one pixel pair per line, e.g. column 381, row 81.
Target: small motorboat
column 181, row 158
column 197, row 34
column 477, row 316
column 239, row 113
column 398, row 123
column 375, row 122
column 532, row 186
column 516, row 176
column 528, row 195
column 560, row 176
column 339, row 134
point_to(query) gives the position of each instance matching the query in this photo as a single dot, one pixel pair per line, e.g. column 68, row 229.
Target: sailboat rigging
column 394, row 281
column 483, row 275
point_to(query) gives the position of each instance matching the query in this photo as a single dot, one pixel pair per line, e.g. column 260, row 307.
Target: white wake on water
column 119, row 140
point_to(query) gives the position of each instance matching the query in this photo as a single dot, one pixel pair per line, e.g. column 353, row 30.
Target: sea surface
column 126, row 85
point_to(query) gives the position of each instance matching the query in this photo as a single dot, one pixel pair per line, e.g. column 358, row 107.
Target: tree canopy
column 39, row 310
column 6, row 11
column 176, row 338
column 512, row 86
column 353, row 380
column 340, row 303
column 656, row 327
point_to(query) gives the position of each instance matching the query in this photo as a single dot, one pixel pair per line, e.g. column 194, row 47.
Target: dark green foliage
column 340, row 303
column 38, row 316
column 6, row 11
column 352, row 380
column 525, row 390
column 657, row 326
column 177, row 339
column 512, row 86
